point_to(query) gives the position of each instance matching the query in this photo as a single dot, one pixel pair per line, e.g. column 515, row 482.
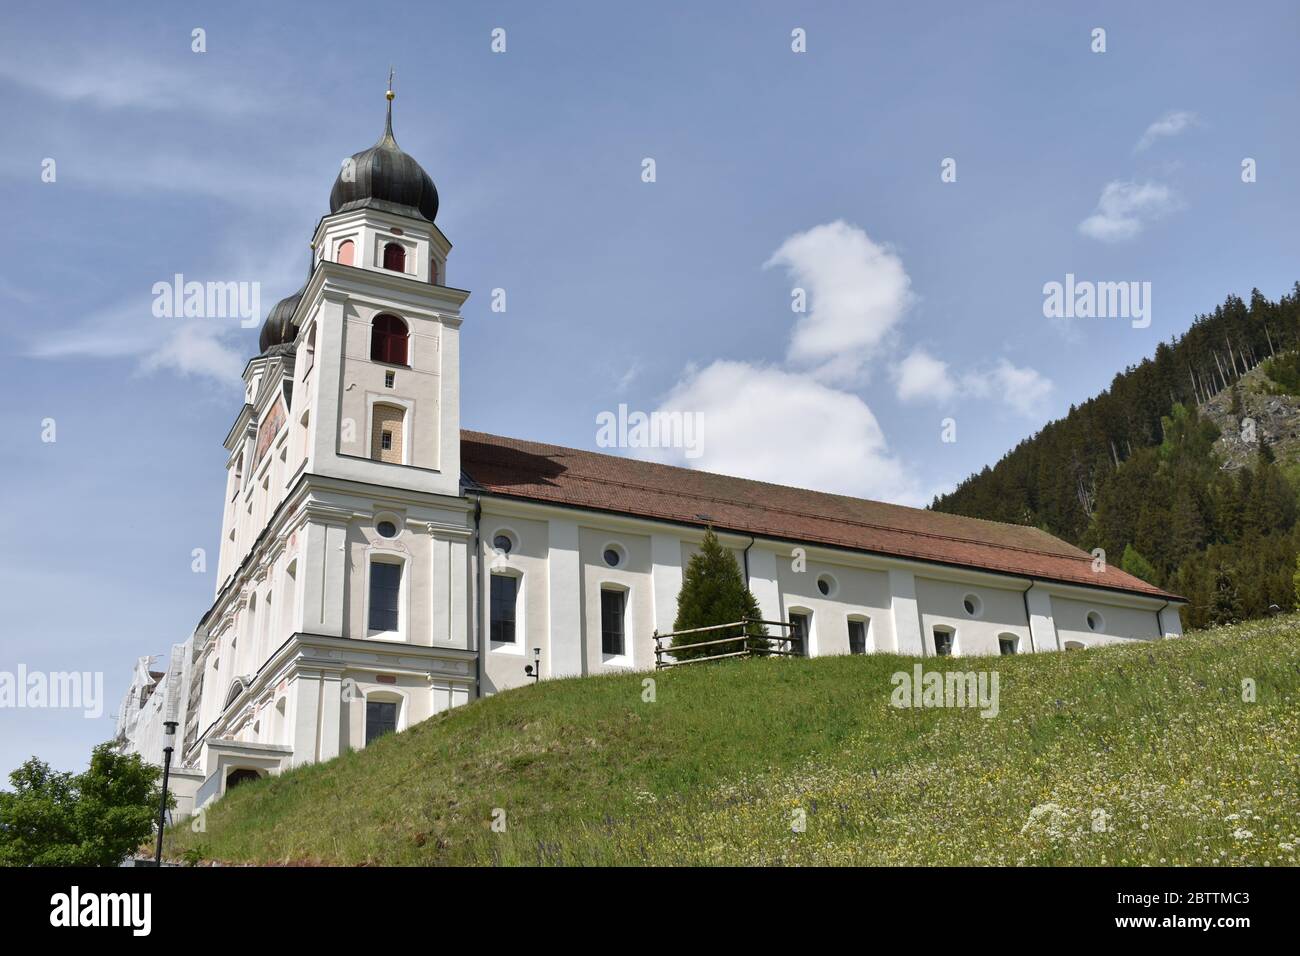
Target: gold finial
column 390, row 94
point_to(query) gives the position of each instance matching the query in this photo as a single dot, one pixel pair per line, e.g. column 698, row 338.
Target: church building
column 380, row 564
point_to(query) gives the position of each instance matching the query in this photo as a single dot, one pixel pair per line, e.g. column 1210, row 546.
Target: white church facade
column 379, row 564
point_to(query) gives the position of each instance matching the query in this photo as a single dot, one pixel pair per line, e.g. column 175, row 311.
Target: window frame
column 619, row 550
column 407, row 409
column 865, row 623
column 951, row 632
column 400, row 250
column 381, row 341
column 1013, row 639
column 350, row 243
column 390, row 557
column 517, row 645
column 626, row 656
column 809, row 644
column 380, row 698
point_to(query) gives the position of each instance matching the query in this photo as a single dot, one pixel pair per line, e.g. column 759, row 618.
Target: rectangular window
column 799, row 633
column 857, row 637
column 389, row 378
column 381, row 718
column 942, row 643
column 1007, row 645
column 505, row 591
column 386, row 441
column 385, row 588
column 612, row 605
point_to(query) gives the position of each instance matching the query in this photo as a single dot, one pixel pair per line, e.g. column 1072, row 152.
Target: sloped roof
column 534, row 471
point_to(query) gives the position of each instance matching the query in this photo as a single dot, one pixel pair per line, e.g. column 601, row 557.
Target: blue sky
column 774, row 169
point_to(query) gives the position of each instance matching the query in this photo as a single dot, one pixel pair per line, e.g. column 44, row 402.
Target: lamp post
column 169, row 743
column 534, row 670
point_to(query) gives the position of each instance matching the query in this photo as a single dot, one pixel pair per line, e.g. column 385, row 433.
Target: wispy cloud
column 1171, row 124
column 213, row 348
column 116, row 81
column 1125, row 208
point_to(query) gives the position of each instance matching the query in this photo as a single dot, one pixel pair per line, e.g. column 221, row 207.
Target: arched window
column 395, row 257
column 345, row 252
column 388, row 340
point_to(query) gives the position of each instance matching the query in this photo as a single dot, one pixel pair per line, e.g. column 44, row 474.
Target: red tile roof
column 534, row 471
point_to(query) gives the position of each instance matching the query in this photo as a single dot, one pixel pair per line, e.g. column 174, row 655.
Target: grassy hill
column 1155, row 736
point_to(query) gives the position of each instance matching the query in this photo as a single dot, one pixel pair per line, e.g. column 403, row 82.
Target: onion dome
column 383, row 177
column 278, row 329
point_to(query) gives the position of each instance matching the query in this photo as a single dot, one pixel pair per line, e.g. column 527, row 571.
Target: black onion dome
column 278, row 329
column 386, row 178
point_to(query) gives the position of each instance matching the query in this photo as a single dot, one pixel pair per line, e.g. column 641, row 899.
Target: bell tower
column 379, row 329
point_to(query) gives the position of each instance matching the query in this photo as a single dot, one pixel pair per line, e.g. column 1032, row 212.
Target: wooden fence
column 788, row 645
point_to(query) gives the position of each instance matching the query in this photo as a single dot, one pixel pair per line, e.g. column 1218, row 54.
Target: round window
column 972, row 604
column 387, row 529
column 503, row 543
column 826, row 585
column 1094, row 621
column 612, row 557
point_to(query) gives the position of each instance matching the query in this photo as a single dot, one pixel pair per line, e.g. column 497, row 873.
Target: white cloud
column 1024, row 390
column 785, row 427
column 922, row 377
column 857, row 293
column 1171, row 124
column 1125, row 208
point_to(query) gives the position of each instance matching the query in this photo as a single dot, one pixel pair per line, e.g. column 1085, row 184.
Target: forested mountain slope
column 1175, row 469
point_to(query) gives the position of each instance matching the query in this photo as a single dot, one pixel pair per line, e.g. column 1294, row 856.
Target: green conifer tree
column 714, row 592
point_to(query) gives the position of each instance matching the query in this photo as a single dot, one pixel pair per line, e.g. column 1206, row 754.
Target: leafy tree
column 1138, row 566
column 714, row 592
column 95, row 818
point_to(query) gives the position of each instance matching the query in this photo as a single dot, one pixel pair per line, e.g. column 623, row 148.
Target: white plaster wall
column 633, row 574
column 1002, row 611
column 858, row 592
column 1120, row 623
column 528, row 562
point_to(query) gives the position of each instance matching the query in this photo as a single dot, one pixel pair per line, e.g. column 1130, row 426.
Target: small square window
column 389, row 377
column 1007, row 645
column 943, row 643
column 386, row 441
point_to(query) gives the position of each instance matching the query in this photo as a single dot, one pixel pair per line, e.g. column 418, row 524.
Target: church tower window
column 395, row 257
column 388, row 337
column 386, row 429
column 345, row 252
column 385, row 597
